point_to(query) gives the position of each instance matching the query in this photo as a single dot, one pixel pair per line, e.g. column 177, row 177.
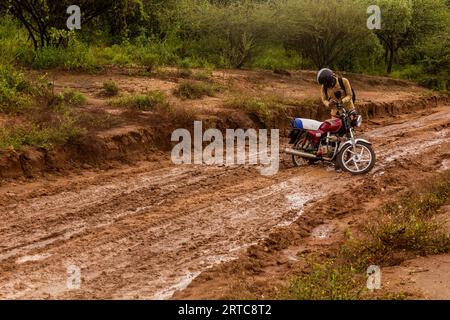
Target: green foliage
column 110, row 88
column 144, row 102
column 274, row 35
column 71, row 97
column 264, row 107
column 77, row 56
column 39, row 136
column 327, row 281
column 407, row 23
column 13, row 40
column 324, row 31
column 404, row 226
column 196, row 90
column 253, row 105
column 14, row 91
column 277, row 58
column 231, row 32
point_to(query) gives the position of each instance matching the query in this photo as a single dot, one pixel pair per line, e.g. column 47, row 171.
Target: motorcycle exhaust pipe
column 299, row 153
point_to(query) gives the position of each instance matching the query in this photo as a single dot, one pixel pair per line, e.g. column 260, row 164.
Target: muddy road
column 146, row 231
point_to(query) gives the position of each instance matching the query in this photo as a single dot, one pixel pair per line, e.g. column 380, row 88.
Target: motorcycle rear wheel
column 300, row 161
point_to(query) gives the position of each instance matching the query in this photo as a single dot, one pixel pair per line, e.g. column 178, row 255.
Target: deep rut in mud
column 149, row 233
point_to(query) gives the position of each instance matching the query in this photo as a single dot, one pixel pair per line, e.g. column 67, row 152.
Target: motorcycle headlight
column 359, row 121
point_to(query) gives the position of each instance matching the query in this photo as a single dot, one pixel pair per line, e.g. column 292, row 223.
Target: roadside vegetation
column 276, row 35
column 110, row 89
column 404, row 229
column 41, row 116
column 196, row 90
column 197, row 37
column 147, row 101
column 266, row 108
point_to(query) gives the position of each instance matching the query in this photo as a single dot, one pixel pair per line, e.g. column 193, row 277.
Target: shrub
column 404, row 226
column 277, row 59
column 39, row 136
column 110, row 88
column 144, row 102
column 14, row 91
column 150, row 61
column 77, row 56
column 71, row 97
column 328, row 281
column 196, row 90
column 203, row 75
column 261, row 107
column 184, row 73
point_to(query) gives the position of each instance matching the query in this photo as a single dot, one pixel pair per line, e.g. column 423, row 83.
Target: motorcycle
column 333, row 142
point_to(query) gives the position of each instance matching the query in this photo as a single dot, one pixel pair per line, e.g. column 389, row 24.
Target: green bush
column 110, row 88
column 404, row 226
column 77, row 56
column 327, row 281
column 13, row 41
column 263, row 107
column 277, row 58
column 71, row 97
column 196, row 90
column 15, row 91
column 144, row 102
column 184, row 73
column 39, row 136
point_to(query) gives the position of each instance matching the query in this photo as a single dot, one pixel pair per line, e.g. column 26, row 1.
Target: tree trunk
column 391, row 59
column 386, row 55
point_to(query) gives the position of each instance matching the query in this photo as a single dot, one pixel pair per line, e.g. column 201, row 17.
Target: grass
column 196, row 90
column 264, row 107
column 15, row 91
column 110, row 89
column 404, row 229
column 261, row 107
column 327, row 281
column 184, row 73
column 33, row 135
column 71, row 97
column 145, row 102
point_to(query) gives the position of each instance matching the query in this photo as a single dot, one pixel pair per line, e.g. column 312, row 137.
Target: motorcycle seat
column 306, row 124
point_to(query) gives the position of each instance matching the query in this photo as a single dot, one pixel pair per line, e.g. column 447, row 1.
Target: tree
column 406, row 23
column 42, row 17
column 325, row 31
column 235, row 28
column 396, row 17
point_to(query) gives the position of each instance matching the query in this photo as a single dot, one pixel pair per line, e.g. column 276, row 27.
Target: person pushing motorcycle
column 335, row 91
column 334, row 140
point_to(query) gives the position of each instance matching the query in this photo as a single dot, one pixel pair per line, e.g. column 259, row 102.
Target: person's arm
column 348, row 90
column 325, row 97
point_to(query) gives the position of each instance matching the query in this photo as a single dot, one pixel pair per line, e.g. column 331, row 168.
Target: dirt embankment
column 146, row 136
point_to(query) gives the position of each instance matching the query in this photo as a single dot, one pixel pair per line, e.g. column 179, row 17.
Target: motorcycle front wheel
column 357, row 161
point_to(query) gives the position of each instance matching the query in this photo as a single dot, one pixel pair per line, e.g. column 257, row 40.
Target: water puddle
column 182, row 283
column 445, row 165
column 323, row 231
column 36, row 257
